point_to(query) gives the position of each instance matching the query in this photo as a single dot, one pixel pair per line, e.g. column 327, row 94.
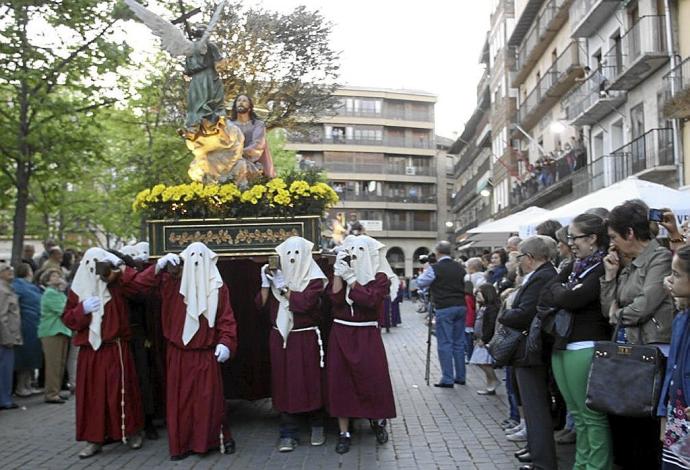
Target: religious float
column 233, row 203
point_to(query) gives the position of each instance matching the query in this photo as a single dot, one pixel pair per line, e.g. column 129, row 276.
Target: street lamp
column 449, row 224
column 557, row 127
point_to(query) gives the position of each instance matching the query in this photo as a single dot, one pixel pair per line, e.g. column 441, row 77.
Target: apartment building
column 380, row 154
column 597, row 94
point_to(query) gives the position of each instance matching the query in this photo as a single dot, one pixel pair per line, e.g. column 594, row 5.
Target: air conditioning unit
column 410, row 170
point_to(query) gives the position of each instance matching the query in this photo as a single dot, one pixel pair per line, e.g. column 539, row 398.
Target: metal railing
column 408, row 115
column 589, row 92
column 571, row 57
column 647, row 36
column 582, row 8
column 541, row 25
column 378, row 168
column 428, row 198
column 483, row 82
column 386, row 141
column 470, row 187
column 678, row 78
column 407, row 225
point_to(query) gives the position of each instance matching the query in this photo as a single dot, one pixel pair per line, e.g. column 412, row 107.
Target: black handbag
column 504, row 343
column 559, row 325
column 625, row 379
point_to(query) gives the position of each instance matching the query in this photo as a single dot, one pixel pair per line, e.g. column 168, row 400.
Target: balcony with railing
column 471, row 187
column 544, row 28
column 590, row 101
column 387, row 196
column 587, row 16
column 297, row 137
column 638, row 54
column 648, row 156
column 394, row 114
column 555, row 82
column 377, row 168
column 677, row 91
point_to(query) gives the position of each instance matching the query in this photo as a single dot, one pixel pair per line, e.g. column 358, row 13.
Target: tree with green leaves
column 53, row 59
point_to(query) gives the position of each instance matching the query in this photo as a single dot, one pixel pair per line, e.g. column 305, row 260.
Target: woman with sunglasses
column 577, row 291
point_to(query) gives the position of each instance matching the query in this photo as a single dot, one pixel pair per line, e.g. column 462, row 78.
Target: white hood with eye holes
column 142, row 249
column 368, row 257
column 298, row 268
column 200, row 284
column 87, row 284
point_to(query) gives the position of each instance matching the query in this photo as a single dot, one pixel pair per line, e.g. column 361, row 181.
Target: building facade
column 381, row 156
column 598, row 99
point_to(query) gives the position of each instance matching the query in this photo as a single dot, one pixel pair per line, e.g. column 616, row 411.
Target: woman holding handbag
column 632, row 295
column 577, row 292
column 673, row 403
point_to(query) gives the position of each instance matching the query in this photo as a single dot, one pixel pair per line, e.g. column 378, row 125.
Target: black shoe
column 525, row 458
column 442, row 385
column 343, row 445
column 151, row 433
column 182, row 456
column 11, row 406
column 460, row 382
column 529, row 466
column 522, row 451
column 230, row 447
column 380, row 431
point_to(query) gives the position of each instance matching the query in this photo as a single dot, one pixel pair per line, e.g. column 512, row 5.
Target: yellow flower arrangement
column 276, row 197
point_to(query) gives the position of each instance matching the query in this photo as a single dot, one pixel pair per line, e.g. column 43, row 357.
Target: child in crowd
column 488, row 305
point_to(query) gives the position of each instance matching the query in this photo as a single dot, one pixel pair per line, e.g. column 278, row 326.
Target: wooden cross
column 184, row 17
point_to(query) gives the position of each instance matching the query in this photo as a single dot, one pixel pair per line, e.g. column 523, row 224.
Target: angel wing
column 212, row 23
column 172, row 38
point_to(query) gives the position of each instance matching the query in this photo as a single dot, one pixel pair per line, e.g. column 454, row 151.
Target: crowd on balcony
column 550, row 169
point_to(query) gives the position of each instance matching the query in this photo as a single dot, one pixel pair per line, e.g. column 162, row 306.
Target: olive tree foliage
column 55, row 57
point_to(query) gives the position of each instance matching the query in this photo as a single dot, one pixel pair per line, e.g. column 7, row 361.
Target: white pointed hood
column 199, row 286
column 142, row 251
column 298, row 268
column 368, row 257
column 87, row 284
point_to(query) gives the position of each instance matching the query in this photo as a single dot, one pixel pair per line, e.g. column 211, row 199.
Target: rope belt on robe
column 356, row 323
column 122, row 390
column 318, row 340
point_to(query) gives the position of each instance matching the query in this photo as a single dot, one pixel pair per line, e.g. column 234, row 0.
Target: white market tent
column 496, row 233
column 654, row 195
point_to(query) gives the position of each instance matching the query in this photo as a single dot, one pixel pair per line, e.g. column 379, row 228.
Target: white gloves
column 343, row 269
column 265, row 277
column 278, row 279
column 171, row 258
column 91, row 304
column 222, row 353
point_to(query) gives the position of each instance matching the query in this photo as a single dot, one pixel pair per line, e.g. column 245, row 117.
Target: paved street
column 435, row 428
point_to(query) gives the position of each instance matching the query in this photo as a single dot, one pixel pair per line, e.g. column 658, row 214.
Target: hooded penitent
column 199, row 287
column 87, row 283
column 298, row 268
column 142, row 251
column 129, row 250
column 368, row 257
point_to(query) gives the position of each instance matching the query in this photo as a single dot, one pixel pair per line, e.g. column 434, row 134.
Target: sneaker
column 567, row 438
column 515, row 429
column 287, row 444
column 508, row 423
column 318, row 436
column 90, row 450
column 135, row 442
column 520, row 436
column 343, row 445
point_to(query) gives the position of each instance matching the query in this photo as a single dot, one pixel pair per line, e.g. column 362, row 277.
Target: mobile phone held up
column 656, row 215
column 273, row 262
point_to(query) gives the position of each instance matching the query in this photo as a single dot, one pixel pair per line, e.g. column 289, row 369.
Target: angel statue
column 217, row 144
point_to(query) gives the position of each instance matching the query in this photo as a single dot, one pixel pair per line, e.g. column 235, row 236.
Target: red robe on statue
column 296, row 375
column 194, row 399
column 359, row 383
column 99, row 373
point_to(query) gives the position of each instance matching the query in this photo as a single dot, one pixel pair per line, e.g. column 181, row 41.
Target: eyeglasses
column 518, row 257
column 572, row 238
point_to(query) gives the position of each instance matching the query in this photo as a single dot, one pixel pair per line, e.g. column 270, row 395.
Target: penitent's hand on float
column 278, row 279
column 265, row 277
column 91, row 304
column 222, row 353
column 171, row 258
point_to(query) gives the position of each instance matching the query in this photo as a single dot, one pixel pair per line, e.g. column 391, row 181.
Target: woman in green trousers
column 577, row 291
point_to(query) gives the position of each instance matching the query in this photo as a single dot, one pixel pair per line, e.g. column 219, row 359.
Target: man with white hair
column 292, row 293
column 513, row 243
column 200, row 329
column 359, row 384
column 108, row 399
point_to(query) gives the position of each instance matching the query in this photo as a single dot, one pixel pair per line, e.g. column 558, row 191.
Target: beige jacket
column 10, row 321
column 645, row 308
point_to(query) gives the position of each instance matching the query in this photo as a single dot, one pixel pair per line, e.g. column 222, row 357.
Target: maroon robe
column 359, row 384
column 296, row 374
column 194, row 399
column 99, row 374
